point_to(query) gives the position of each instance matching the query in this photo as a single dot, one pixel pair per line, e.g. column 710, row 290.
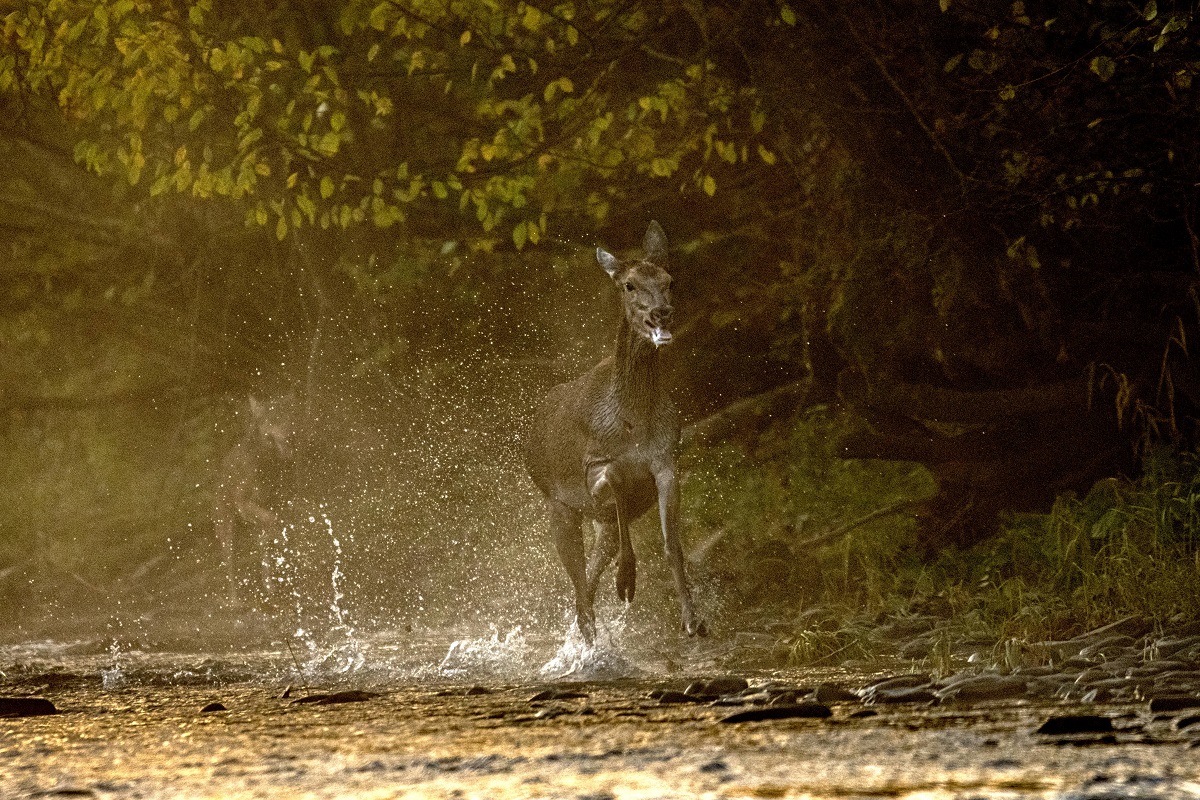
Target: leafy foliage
column 378, row 113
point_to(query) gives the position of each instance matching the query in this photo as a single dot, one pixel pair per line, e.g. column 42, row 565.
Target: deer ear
column 655, row 244
column 608, row 261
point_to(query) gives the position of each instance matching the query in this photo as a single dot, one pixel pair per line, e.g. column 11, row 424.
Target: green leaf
column 787, row 15
column 710, row 185
column 1103, row 66
column 281, row 228
column 1150, row 11
column 305, row 204
column 520, row 234
column 327, row 187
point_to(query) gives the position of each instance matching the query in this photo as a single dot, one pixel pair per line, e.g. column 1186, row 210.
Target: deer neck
column 635, row 374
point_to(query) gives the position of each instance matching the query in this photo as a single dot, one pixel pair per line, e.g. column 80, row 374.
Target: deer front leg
column 668, row 513
column 568, row 541
column 606, row 485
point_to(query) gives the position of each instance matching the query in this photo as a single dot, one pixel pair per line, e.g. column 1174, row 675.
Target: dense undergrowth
column 825, row 552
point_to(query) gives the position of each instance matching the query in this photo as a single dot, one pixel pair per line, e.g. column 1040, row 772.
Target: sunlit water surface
column 455, row 712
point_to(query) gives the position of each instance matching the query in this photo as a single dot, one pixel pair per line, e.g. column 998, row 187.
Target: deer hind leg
column 668, row 509
column 568, row 541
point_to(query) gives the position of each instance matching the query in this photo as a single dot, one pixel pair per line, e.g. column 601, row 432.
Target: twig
column 842, row 530
column 296, row 661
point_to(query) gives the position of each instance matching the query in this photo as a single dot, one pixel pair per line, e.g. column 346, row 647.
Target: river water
column 512, row 713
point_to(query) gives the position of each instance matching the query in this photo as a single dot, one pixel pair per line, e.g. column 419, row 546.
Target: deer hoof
column 626, row 580
column 587, row 629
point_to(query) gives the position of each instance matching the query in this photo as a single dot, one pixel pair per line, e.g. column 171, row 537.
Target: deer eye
column 628, row 286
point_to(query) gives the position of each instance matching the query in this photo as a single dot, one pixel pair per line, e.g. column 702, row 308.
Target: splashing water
column 346, row 654
column 487, row 657
column 112, row 677
column 604, row 659
column 326, row 634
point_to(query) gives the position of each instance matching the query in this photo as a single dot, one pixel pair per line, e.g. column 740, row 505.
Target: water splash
column 344, row 653
column 604, row 659
column 487, row 657
column 113, row 676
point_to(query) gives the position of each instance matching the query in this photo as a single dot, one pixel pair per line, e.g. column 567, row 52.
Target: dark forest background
column 937, row 277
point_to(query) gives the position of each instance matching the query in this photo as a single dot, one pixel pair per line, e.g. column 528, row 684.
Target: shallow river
column 504, row 715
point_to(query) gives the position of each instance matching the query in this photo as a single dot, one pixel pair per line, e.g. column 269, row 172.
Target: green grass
column 822, row 551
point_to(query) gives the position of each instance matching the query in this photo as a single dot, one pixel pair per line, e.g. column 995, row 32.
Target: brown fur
column 602, row 447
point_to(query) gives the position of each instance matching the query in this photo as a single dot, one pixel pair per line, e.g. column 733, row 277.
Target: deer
column 252, row 482
column 602, row 446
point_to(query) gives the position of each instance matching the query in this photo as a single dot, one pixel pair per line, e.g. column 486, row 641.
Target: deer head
column 645, row 287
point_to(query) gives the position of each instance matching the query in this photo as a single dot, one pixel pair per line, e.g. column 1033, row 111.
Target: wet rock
column 1087, row 741
column 906, row 627
column 899, row 682
column 795, row 711
column 1089, row 675
column 668, row 697
column 57, row 680
column 904, row 694
column 826, row 693
column 556, row 694
column 1044, row 687
column 1037, row 671
column 1108, row 647
column 1133, row 625
column 984, row 687
column 728, row 684
column 784, row 699
column 350, row 696
column 1169, row 647
column 1079, row 662
column 1076, row 723
column 1178, row 702
column 26, row 707
column 717, row 687
column 211, row 707
column 1155, row 668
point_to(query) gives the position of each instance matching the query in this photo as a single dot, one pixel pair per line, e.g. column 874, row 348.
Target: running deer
column 253, row 481
column 602, row 447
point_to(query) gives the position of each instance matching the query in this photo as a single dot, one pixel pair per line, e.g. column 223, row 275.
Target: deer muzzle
column 659, row 319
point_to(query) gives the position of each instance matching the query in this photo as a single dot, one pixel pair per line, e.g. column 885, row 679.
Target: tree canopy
column 970, row 224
